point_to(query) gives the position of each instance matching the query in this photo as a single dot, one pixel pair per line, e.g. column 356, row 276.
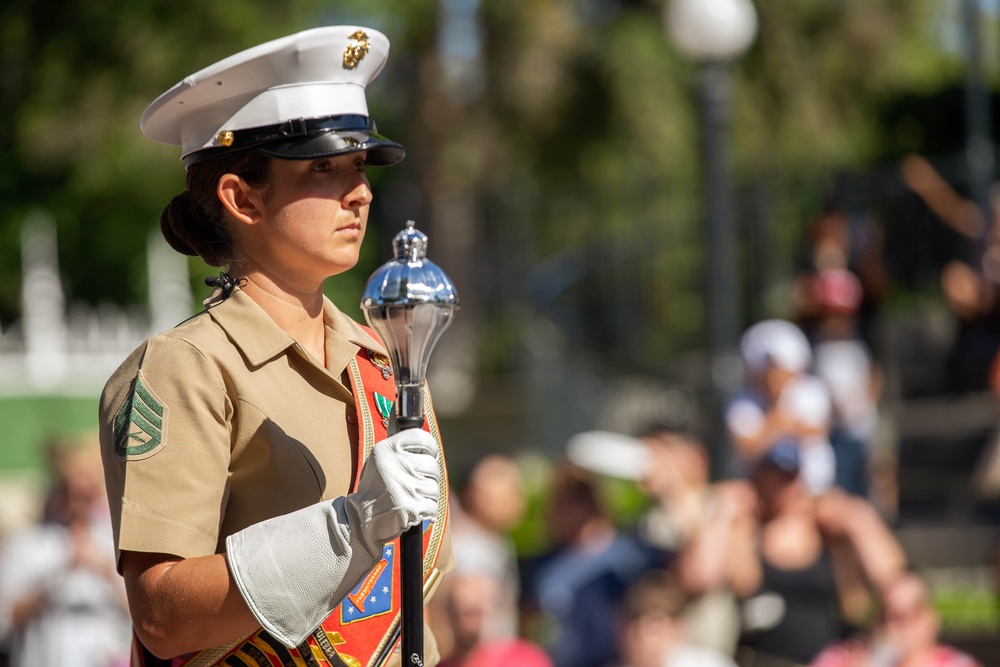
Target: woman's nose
column 360, row 195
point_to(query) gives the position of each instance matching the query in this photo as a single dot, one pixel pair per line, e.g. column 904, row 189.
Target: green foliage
column 809, row 87
column 967, row 611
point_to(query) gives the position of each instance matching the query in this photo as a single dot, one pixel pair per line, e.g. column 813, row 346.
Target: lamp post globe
column 711, row 30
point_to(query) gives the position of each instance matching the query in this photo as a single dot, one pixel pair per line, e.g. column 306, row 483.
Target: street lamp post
column 713, row 33
column 979, row 157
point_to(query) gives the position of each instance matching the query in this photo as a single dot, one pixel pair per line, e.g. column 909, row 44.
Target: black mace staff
column 409, row 302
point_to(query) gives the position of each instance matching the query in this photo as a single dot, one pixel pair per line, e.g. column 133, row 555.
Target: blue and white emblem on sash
column 373, row 596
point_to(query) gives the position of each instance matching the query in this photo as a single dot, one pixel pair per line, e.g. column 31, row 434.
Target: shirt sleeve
column 744, row 418
column 808, row 400
column 166, row 433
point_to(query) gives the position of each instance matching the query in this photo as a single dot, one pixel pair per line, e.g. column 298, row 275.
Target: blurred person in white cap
column 256, row 496
column 782, row 400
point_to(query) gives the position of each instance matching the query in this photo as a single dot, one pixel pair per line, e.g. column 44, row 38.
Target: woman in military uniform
column 256, row 495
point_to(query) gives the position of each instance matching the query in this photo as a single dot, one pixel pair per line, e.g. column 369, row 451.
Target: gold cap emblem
column 226, row 138
column 354, row 53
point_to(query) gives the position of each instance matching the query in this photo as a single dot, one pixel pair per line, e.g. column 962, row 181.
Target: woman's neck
column 299, row 313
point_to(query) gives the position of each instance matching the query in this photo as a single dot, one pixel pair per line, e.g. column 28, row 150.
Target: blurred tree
column 76, row 78
column 810, row 102
column 584, row 146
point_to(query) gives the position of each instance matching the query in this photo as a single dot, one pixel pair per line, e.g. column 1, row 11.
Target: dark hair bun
column 178, row 223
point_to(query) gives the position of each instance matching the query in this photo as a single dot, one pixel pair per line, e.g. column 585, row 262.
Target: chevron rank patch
column 140, row 424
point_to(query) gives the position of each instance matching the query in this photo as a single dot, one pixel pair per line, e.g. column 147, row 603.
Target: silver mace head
column 409, row 302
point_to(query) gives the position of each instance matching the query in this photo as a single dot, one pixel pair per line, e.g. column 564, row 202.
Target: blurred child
column 651, row 630
column 782, row 401
column 470, row 601
column 491, row 501
column 572, row 592
column 905, row 635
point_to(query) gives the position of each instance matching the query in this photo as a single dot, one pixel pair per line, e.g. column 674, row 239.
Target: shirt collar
column 344, row 337
column 260, row 339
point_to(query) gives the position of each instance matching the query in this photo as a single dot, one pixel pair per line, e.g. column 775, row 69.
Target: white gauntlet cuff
column 293, row 570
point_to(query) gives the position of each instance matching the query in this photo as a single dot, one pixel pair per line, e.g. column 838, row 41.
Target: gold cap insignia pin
column 354, row 53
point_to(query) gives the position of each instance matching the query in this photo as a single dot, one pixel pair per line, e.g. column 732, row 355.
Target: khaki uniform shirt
column 230, row 422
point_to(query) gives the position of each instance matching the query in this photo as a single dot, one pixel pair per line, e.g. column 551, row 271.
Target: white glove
column 398, row 487
column 293, row 570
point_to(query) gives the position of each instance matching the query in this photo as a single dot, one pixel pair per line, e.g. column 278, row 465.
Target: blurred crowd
column 767, row 568
column 784, row 561
column 790, row 557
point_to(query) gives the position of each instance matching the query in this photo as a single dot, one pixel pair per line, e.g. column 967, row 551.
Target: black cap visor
column 309, row 139
column 381, row 151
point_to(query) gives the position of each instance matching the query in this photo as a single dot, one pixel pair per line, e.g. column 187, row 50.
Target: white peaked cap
column 298, row 97
column 609, row 453
column 775, row 342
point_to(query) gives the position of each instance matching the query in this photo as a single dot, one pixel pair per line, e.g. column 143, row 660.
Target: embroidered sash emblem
column 140, row 423
column 326, row 642
column 373, row 596
column 254, row 654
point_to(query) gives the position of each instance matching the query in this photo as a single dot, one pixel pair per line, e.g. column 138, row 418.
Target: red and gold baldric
column 363, row 629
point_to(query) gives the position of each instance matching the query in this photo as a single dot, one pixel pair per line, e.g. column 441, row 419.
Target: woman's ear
column 238, row 198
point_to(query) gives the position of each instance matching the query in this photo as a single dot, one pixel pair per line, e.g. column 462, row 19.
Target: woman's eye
column 321, row 166
column 359, row 165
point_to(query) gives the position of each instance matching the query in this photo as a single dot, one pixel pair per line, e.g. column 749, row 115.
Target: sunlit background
column 616, row 197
